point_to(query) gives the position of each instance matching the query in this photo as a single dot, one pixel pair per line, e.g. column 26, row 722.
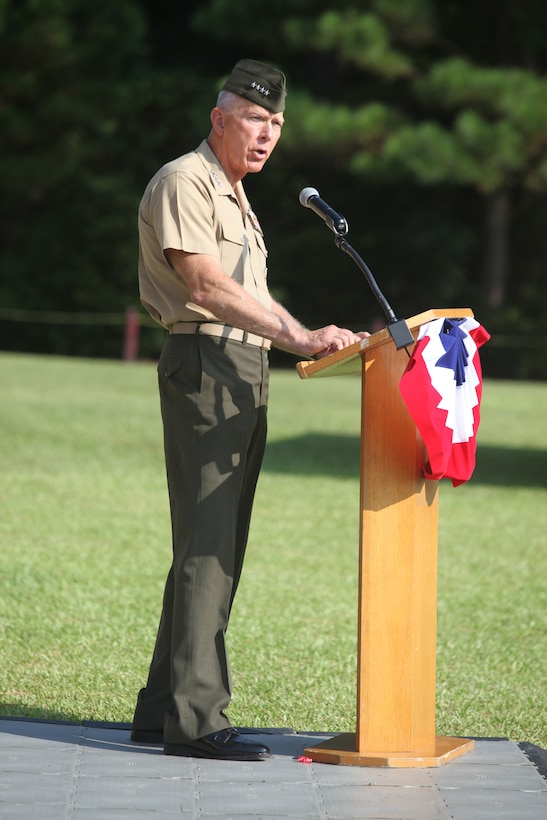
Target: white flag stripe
column 457, row 400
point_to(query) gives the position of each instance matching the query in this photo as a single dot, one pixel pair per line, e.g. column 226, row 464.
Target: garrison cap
column 259, row 83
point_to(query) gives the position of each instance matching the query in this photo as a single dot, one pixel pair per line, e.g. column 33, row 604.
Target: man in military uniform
column 202, row 275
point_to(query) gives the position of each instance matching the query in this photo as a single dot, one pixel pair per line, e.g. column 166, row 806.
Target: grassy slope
column 85, row 548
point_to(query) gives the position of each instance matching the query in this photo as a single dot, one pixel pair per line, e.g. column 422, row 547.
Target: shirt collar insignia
column 216, row 178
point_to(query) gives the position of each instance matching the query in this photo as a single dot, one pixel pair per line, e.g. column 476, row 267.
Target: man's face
column 250, row 135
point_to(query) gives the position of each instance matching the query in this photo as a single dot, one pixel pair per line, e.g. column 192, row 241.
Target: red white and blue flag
column 442, row 389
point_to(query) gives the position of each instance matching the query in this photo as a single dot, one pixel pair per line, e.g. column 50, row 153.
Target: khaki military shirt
column 189, row 205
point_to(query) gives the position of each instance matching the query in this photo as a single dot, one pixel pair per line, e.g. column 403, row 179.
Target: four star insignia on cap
column 260, row 88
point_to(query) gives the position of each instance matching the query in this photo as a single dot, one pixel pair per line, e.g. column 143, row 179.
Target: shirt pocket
column 234, row 250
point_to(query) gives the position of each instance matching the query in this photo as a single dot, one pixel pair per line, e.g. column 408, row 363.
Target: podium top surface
column 348, row 362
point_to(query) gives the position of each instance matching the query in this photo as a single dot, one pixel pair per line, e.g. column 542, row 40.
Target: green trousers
column 213, row 395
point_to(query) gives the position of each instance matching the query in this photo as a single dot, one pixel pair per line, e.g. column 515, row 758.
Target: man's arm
column 212, row 289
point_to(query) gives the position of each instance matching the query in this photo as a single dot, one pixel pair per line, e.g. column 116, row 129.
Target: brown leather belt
column 223, row 331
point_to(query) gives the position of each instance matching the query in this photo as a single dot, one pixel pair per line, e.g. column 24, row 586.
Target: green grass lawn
column 85, row 546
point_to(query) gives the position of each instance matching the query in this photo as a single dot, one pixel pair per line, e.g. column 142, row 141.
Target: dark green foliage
column 423, row 122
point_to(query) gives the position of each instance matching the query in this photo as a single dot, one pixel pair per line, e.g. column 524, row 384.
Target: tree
column 82, row 119
column 442, row 107
column 424, row 124
column 450, row 122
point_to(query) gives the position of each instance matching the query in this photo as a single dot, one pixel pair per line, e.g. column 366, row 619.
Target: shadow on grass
column 314, row 454
column 511, row 467
column 338, row 456
column 27, row 720
column 18, row 711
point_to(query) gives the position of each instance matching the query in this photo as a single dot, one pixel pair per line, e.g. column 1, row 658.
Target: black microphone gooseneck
column 398, row 328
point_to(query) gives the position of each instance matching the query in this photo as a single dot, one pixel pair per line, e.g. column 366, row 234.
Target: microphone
column 309, row 198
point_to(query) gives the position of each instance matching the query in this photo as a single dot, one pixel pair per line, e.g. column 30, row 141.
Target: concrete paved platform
column 62, row 771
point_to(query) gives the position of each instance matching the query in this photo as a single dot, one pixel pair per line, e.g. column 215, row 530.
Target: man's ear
column 217, row 121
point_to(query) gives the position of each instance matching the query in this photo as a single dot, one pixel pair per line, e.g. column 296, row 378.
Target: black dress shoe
column 150, row 736
column 227, row 744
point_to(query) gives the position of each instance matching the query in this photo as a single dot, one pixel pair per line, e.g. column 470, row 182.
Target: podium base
column 340, row 750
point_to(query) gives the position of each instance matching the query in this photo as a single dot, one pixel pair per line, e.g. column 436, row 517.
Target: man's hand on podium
column 332, row 338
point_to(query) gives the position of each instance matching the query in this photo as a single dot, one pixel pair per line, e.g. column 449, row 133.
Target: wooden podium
column 395, row 722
